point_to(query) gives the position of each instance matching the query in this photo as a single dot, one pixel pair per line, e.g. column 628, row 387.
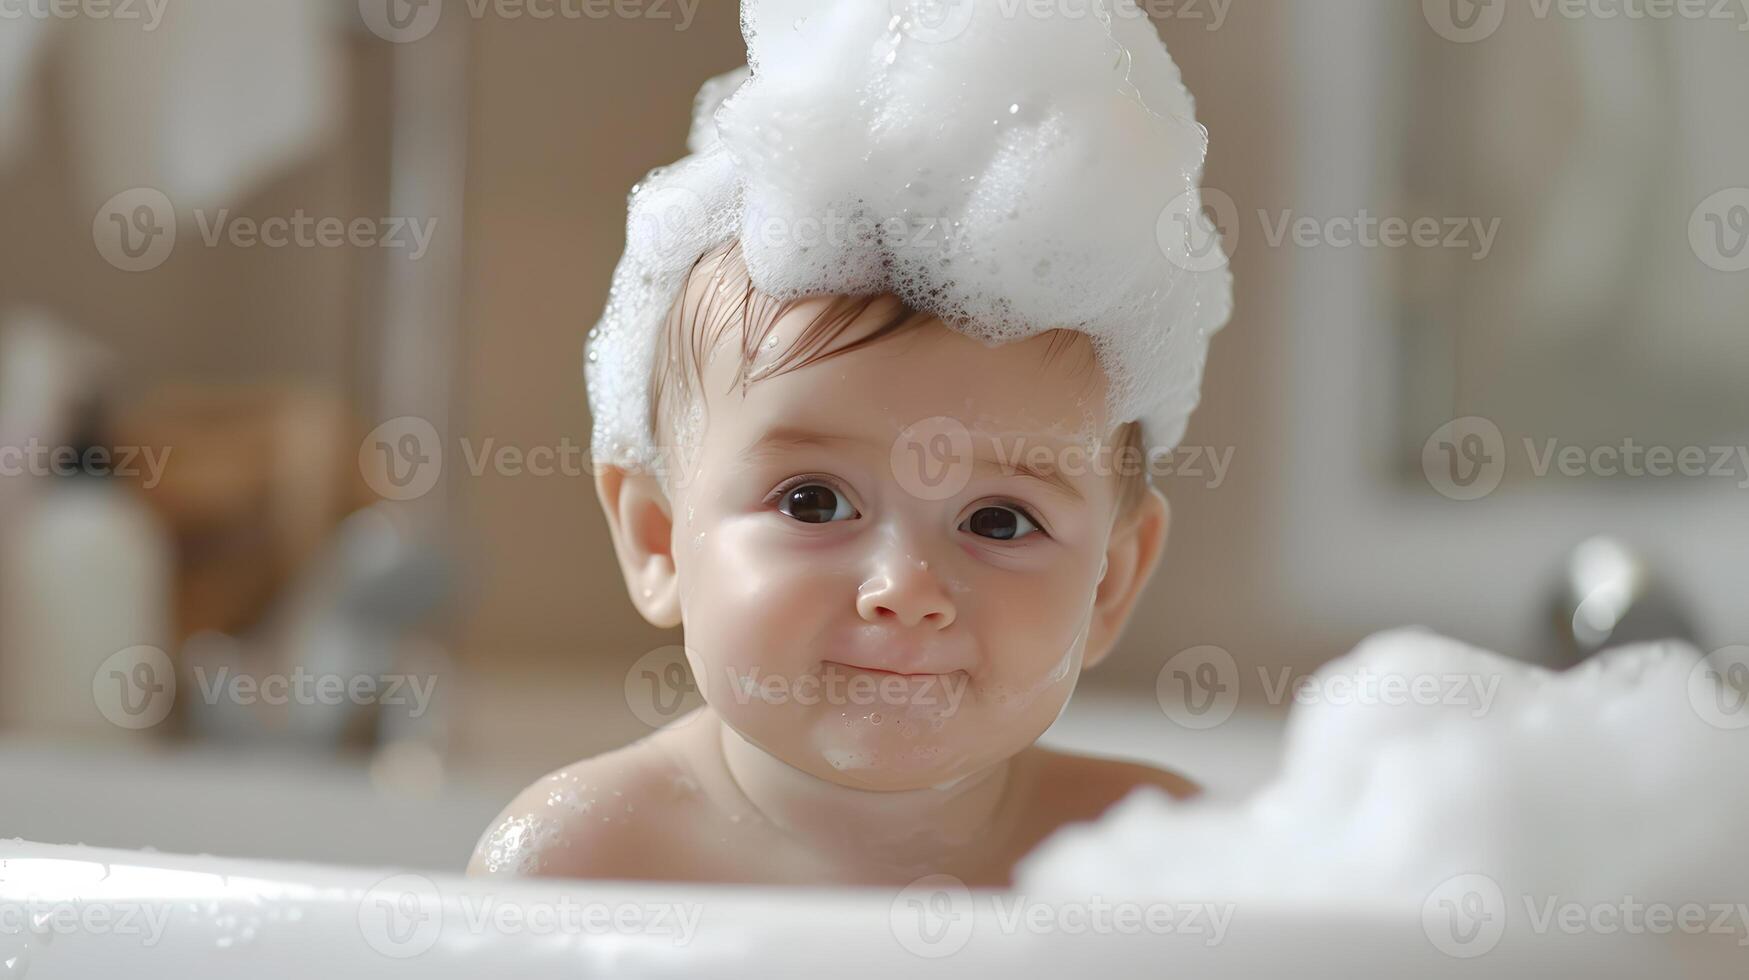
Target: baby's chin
column 893, row 754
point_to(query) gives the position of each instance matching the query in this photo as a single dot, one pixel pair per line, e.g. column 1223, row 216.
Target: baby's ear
column 642, row 525
column 1136, row 545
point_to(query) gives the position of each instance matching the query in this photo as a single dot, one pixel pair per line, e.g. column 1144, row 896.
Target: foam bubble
column 1603, row 781
column 1009, row 176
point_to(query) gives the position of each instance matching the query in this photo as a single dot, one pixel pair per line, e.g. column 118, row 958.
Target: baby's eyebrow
column 787, row 438
column 782, row 439
column 1050, row 477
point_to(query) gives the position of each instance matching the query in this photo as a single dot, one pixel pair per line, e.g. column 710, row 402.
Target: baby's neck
column 924, row 830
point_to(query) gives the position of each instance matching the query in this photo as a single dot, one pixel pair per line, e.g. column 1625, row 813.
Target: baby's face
column 873, row 605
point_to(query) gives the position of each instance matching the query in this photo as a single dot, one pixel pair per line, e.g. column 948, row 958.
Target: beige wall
column 209, row 315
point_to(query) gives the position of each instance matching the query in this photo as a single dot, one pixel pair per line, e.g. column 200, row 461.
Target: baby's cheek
column 1033, row 625
column 750, row 610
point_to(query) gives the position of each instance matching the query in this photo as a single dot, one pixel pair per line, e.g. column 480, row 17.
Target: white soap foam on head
column 1007, row 172
column 1610, row 781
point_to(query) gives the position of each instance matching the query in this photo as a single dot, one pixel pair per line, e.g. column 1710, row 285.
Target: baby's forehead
column 924, row 378
column 865, row 362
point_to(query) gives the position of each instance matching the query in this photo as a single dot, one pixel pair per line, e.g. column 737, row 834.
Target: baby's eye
column 816, row 503
column 1000, row 523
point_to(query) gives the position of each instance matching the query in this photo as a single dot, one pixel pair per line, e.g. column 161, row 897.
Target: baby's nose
column 907, row 592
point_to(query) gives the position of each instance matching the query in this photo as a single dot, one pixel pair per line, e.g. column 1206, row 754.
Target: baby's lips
column 886, row 655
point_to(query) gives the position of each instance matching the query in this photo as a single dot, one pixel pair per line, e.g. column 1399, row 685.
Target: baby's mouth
column 879, row 671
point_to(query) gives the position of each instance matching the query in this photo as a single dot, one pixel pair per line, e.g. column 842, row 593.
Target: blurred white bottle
column 88, row 573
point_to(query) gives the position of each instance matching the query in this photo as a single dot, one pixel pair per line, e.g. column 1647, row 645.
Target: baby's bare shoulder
column 598, row 818
column 1097, row 783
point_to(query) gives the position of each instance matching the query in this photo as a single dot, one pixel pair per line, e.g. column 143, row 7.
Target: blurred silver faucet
column 1609, row 597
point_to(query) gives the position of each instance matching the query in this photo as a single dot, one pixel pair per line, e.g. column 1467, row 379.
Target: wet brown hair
column 699, row 319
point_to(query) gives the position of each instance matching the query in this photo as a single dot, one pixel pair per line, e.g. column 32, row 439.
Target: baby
column 895, row 509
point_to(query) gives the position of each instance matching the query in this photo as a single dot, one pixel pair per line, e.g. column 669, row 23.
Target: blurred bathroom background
column 299, row 549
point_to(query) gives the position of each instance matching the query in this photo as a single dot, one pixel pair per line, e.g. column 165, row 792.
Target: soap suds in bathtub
column 1621, row 778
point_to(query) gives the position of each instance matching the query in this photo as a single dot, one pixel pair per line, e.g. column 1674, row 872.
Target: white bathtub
column 81, row 913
